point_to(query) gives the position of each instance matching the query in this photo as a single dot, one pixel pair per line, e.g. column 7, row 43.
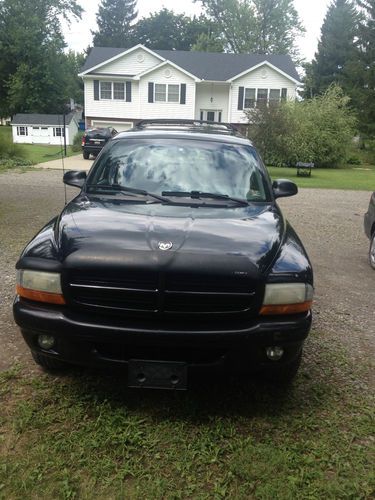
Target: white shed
column 33, row 128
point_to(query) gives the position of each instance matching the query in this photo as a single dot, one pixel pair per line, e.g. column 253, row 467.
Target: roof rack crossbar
column 165, row 121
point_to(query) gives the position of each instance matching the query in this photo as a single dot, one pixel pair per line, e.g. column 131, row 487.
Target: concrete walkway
column 70, row 163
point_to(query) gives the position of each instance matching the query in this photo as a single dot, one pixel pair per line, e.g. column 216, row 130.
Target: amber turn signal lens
column 269, row 310
column 50, row 298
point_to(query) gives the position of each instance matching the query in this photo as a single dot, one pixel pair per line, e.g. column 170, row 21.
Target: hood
column 114, row 234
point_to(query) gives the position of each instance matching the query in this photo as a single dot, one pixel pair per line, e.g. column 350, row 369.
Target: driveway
column 329, row 222
column 70, row 163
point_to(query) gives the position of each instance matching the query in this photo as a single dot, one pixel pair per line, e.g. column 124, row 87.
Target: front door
column 211, row 115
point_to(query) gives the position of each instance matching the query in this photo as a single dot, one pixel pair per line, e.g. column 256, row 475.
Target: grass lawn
column 84, row 435
column 36, row 153
column 360, row 177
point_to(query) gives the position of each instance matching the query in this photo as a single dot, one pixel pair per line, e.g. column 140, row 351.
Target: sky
column 311, row 12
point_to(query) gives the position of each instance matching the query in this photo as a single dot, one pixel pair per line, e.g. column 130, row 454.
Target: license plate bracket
column 152, row 374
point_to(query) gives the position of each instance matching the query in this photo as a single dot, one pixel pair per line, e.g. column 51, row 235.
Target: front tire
column 47, row 363
column 371, row 252
column 86, row 155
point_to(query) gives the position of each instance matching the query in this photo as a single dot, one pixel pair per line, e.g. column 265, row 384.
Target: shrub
column 7, row 163
column 10, row 150
column 77, row 141
column 318, row 130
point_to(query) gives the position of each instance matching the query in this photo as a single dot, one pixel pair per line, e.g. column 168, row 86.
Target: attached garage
column 119, row 126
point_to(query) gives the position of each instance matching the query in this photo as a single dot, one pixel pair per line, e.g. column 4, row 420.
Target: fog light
column 274, row 353
column 46, row 341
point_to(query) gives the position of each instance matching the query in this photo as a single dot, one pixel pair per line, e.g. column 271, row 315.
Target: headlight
column 287, row 298
column 40, row 286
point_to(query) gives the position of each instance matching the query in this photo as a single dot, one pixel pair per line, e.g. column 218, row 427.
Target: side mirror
column 75, row 178
column 282, row 188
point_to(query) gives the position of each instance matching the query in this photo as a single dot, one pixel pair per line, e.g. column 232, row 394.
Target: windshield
column 175, row 165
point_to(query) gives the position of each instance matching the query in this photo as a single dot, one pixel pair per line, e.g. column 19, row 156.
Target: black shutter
column 241, row 91
column 183, row 93
column 96, row 90
column 128, row 91
column 150, row 92
column 284, row 93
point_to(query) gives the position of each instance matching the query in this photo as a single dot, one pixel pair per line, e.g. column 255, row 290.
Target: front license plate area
column 157, row 374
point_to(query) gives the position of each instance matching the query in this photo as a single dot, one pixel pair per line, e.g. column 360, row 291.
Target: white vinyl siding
column 110, row 108
column 45, row 134
column 131, row 64
column 213, row 97
column 167, row 75
column 269, row 79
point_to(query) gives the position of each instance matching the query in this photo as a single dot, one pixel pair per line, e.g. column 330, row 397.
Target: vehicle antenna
column 62, row 154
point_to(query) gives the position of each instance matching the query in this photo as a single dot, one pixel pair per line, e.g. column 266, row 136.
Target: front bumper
column 97, row 341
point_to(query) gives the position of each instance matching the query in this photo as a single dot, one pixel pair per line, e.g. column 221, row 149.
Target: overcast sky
column 311, row 12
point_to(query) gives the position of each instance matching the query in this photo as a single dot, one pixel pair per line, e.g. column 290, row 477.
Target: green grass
column 36, row 153
column 84, row 435
column 359, row 177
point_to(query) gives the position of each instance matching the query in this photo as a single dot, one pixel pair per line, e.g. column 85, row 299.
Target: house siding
column 219, row 95
column 110, row 108
column 263, row 77
column 167, row 109
column 130, row 64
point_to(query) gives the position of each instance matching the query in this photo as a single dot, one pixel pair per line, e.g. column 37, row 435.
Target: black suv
column 94, row 140
column 173, row 258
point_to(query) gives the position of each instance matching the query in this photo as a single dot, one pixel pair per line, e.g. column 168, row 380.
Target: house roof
column 213, row 66
column 42, row 119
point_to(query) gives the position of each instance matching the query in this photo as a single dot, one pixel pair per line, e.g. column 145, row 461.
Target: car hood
column 114, row 233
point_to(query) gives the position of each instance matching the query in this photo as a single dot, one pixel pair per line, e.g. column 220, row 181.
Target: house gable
column 130, row 62
column 264, row 65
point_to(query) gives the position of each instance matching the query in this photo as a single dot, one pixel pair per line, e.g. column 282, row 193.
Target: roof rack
column 194, row 123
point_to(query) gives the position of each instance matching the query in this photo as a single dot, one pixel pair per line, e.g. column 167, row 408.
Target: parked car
column 173, row 258
column 94, row 139
column 370, row 229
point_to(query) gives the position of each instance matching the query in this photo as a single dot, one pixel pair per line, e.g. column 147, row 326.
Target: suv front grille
column 157, row 293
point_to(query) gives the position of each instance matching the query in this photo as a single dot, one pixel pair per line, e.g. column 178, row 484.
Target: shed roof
column 42, row 119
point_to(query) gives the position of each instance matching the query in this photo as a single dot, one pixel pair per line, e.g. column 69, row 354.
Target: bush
column 10, row 150
column 77, row 141
column 318, row 130
column 7, row 163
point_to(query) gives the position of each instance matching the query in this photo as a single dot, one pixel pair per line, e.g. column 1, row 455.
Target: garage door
column 119, row 126
column 40, row 135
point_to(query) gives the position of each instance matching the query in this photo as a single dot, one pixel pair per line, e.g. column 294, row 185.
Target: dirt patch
column 329, row 222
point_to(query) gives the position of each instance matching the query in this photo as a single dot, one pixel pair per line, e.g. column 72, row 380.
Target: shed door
column 41, row 135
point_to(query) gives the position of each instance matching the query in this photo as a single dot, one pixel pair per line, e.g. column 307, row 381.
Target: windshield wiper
column 125, row 189
column 197, row 195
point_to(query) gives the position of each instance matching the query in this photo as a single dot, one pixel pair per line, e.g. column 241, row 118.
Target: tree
column 318, row 130
column 114, row 19
column 337, row 55
column 169, row 31
column 261, row 26
column 366, row 100
column 32, row 64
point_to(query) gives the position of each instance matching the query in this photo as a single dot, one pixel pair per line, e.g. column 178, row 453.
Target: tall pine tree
column 367, row 75
column 114, row 19
column 337, row 53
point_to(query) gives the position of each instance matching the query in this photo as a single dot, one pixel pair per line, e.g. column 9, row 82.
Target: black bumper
column 85, row 340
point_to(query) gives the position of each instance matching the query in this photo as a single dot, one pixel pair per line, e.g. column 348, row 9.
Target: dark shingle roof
column 41, row 119
column 205, row 65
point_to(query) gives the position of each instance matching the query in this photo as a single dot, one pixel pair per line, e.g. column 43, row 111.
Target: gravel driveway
column 330, row 223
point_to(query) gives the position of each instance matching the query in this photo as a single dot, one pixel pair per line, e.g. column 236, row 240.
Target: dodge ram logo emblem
column 165, row 245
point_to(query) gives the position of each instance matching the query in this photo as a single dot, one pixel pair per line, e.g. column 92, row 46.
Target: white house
column 125, row 86
column 32, row 128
